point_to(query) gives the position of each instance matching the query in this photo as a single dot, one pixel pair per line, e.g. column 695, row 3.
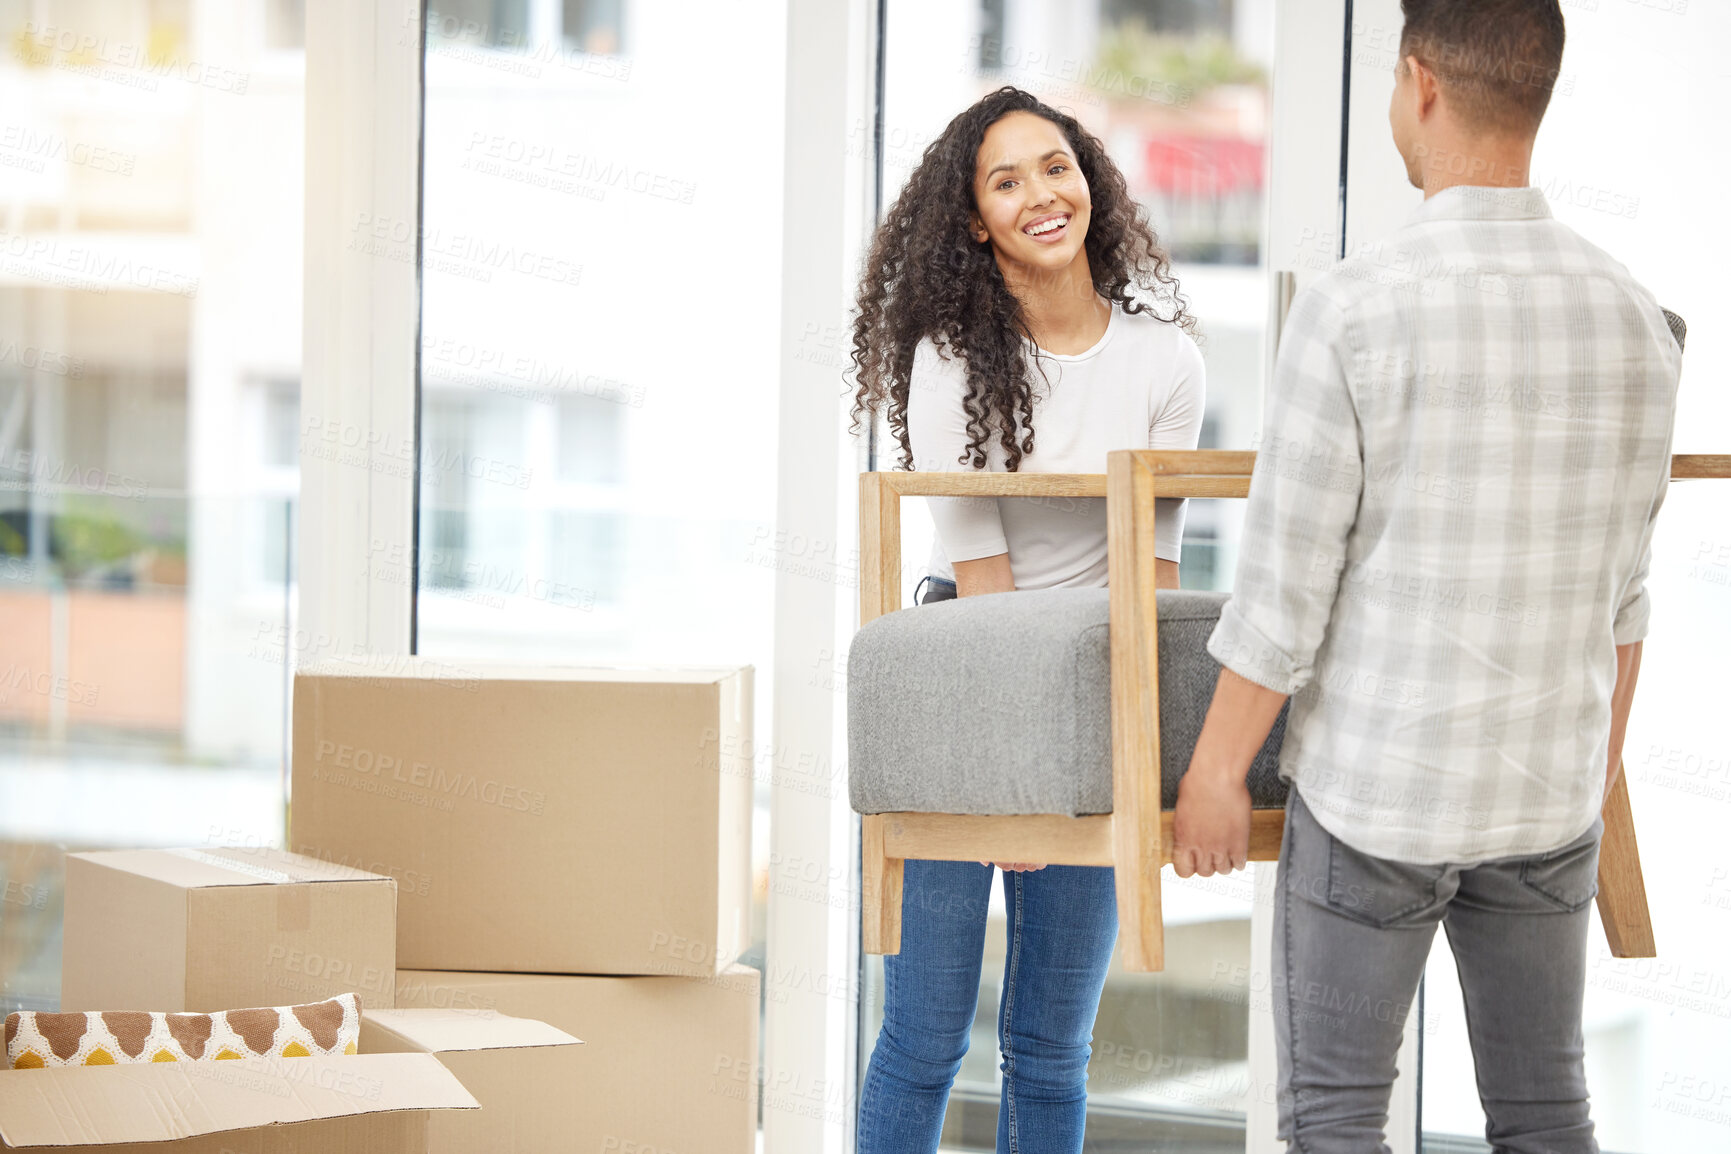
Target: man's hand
column 1211, row 828
column 1015, row 867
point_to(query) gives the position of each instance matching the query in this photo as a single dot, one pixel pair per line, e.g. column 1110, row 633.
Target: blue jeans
column 1062, row 924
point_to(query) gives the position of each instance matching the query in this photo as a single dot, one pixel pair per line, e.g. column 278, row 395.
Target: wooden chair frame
column 1135, row 839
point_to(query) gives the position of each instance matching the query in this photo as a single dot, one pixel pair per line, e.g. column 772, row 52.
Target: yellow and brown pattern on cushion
column 100, row 1038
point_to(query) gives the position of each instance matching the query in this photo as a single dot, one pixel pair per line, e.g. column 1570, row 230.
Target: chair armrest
column 880, row 518
column 991, row 484
column 1701, row 466
column 1197, row 473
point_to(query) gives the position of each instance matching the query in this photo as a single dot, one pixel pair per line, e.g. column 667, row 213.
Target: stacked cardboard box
column 668, row 1063
column 217, row 929
column 570, row 845
column 522, row 1070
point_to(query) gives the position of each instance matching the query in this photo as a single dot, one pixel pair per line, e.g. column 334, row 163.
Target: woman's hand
column 1015, row 867
column 987, row 575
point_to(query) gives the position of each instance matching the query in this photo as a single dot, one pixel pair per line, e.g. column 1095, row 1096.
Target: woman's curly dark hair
column 926, row 275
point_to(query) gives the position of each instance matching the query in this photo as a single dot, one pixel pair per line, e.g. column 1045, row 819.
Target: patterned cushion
column 109, row 1037
column 1001, row 704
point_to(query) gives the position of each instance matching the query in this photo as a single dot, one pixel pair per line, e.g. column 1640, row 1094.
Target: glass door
column 1179, row 94
column 601, row 266
column 151, row 176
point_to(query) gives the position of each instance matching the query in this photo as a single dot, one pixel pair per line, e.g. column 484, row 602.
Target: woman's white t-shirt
column 1139, row 387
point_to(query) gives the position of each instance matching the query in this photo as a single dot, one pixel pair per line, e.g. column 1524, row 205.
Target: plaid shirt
column 1448, row 532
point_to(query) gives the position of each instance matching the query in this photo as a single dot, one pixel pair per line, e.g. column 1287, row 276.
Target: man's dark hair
column 1497, row 60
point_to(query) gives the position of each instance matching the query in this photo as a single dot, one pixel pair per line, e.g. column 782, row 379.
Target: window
column 443, row 549
column 1170, row 1061
column 992, row 27
column 281, row 423
column 589, row 552
column 150, row 223
column 1176, row 17
column 591, row 431
column 600, row 333
column 594, row 26
column 285, row 24
column 484, row 23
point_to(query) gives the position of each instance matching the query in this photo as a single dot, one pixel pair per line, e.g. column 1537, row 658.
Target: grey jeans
column 1351, row 935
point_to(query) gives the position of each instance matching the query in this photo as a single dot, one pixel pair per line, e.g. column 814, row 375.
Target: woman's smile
column 1050, row 228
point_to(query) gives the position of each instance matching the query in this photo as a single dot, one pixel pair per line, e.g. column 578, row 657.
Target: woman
column 1006, row 323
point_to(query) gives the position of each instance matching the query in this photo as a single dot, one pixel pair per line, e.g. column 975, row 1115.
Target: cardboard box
column 223, row 929
column 667, row 1064
column 357, row 1104
column 520, row 1070
column 540, row 820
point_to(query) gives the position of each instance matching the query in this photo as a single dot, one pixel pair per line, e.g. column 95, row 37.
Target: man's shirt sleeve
column 1635, row 606
column 1303, row 501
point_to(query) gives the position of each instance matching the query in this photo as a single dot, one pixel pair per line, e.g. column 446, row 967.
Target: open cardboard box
column 201, row 930
column 522, row 1071
column 346, row 1104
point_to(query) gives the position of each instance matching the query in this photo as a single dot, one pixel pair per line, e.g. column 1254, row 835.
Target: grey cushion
column 1001, row 704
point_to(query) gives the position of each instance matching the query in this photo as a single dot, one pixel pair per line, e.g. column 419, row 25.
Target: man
column 1446, row 543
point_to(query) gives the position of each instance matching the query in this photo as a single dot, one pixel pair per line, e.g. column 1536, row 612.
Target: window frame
column 360, row 404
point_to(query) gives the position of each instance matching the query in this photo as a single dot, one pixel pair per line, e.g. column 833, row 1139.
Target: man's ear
column 1424, row 86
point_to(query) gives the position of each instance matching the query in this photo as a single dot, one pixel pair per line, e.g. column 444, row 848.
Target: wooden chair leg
column 1141, row 932
column 1622, row 892
column 880, row 891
